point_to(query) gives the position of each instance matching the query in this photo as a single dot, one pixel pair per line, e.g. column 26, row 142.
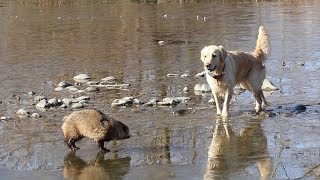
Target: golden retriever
column 226, row 69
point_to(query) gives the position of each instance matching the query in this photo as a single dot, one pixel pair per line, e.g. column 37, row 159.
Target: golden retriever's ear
column 223, row 52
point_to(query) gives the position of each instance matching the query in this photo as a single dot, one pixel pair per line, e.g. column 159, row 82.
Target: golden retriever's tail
column 262, row 50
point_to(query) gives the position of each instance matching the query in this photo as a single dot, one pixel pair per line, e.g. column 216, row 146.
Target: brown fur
column 226, row 69
column 92, row 124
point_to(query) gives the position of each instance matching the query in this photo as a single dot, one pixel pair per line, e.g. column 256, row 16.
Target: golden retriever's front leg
column 226, row 103
column 218, row 103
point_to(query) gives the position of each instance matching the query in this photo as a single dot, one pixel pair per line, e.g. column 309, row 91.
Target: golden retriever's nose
column 207, row 66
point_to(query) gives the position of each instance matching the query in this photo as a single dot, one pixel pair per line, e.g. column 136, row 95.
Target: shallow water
column 45, row 42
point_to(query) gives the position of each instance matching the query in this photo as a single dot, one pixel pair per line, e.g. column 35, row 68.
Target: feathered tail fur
column 263, row 47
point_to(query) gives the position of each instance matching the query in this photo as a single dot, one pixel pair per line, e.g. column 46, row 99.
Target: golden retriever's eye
column 205, row 56
column 213, row 55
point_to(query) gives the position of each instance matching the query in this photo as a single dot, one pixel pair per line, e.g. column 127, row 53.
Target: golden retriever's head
column 213, row 56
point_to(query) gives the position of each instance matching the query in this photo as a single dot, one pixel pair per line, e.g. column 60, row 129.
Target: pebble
column 205, row 88
column 92, row 89
column 185, row 89
column 109, row 78
column 122, row 102
column 58, row 89
column 152, row 102
column 67, row 101
column 81, row 77
column 202, row 74
column 64, row 84
column 177, row 99
column 35, row 115
column 4, row 118
column 22, row 113
column 31, row 93
column 161, row 43
column 72, row 88
column 39, row 98
column 43, row 104
column 185, row 75
column 212, row 101
column 268, row 86
column 93, row 82
column 83, row 98
column 172, row 75
column 77, row 106
column 54, row 102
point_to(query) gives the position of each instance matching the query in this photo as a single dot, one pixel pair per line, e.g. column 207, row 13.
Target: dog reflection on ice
column 230, row 154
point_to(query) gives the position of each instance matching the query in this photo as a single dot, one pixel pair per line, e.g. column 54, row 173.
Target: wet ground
column 45, row 42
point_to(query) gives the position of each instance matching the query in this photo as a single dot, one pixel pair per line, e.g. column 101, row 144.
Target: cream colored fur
column 235, row 67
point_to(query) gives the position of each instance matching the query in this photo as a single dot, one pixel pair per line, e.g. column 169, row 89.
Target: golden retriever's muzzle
column 209, row 68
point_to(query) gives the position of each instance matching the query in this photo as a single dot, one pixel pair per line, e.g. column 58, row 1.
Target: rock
column 109, row 78
column 92, row 89
column 137, row 101
column 64, row 84
column 122, row 102
column 268, row 86
column 54, row 102
column 81, row 78
column 271, row 114
column 67, row 101
column 185, row 89
column 185, row 75
column 72, row 88
column 77, row 106
column 161, row 43
column 301, row 63
column 205, row 88
column 58, row 89
column 35, row 115
column 166, row 103
column 21, row 113
column 43, row 104
column 93, row 82
column 83, row 98
column 212, row 101
column 152, row 102
column 202, row 74
column 172, row 75
column 178, row 99
column 39, row 98
column 197, row 87
column 31, row 93
column 81, row 91
column 5, row 118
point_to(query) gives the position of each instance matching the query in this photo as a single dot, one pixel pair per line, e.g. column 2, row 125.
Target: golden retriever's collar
column 219, row 76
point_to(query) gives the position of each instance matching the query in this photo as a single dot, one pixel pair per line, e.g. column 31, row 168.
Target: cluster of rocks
column 168, row 101
column 77, row 102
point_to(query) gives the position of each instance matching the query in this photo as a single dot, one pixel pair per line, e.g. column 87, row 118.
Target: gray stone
column 178, row 99
column 202, row 74
column 137, row 101
column 58, row 89
column 54, row 102
column 268, row 86
column 152, row 102
column 35, row 115
column 39, row 98
column 64, row 84
column 81, row 77
column 185, row 75
column 72, row 88
column 92, row 89
column 165, row 103
column 22, row 113
column 83, row 101
column 172, row 75
column 109, row 78
column 83, row 98
column 66, row 101
column 185, row 89
column 43, row 104
column 31, row 93
column 211, row 101
column 197, row 87
column 77, row 106
column 93, row 82
column 205, row 88
column 5, row 118
column 81, row 91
